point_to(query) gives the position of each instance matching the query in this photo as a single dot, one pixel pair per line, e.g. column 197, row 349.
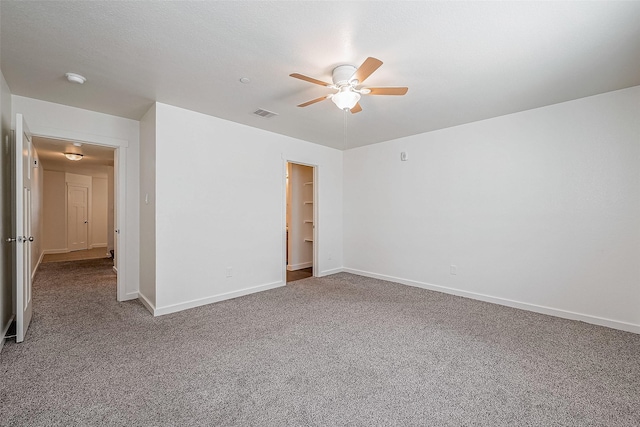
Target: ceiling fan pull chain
column 345, row 129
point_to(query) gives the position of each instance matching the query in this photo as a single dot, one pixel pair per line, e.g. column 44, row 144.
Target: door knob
column 31, row 238
column 10, row 239
column 85, row 221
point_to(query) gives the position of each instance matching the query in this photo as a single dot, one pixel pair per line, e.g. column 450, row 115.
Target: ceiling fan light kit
column 346, row 79
column 346, row 99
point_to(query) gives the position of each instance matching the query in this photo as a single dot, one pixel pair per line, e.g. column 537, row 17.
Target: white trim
column 330, row 272
column 120, row 221
column 98, row 245
column 33, row 273
column 4, row 331
column 300, row 266
column 283, row 217
column 55, row 251
column 131, row 295
column 215, row 298
column 115, row 270
column 74, row 136
column 316, row 215
column 120, row 189
column 145, row 301
column 565, row 314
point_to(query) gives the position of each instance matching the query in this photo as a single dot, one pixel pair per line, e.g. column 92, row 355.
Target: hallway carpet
column 77, row 255
column 340, row 350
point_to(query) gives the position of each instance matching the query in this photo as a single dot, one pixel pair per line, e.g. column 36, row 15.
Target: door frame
column 316, row 217
column 119, row 189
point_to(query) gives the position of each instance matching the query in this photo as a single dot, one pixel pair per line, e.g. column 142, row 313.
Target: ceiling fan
column 346, row 79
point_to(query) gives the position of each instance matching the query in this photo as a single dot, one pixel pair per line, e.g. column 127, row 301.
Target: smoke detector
column 75, row 78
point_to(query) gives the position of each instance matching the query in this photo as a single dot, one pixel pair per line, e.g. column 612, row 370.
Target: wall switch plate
column 229, row 271
column 453, row 270
column 404, row 156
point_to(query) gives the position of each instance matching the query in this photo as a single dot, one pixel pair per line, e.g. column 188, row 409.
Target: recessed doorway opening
column 78, row 199
column 300, row 221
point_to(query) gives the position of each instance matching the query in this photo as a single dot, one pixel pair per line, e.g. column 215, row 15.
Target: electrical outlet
column 453, row 270
column 229, row 271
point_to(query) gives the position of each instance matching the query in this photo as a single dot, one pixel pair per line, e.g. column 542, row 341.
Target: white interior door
column 22, row 206
column 77, row 219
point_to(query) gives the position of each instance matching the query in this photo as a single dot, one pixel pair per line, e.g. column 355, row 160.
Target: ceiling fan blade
column 356, row 108
column 313, row 101
column 309, row 79
column 388, row 90
column 366, row 69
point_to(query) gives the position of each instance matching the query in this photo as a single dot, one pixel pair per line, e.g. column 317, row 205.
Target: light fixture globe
column 346, row 99
column 74, row 156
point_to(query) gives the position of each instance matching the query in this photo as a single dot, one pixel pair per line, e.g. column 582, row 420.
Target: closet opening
column 300, row 228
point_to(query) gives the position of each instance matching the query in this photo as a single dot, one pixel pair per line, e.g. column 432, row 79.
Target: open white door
column 22, row 212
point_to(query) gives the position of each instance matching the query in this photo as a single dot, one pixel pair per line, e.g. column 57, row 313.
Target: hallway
column 94, row 253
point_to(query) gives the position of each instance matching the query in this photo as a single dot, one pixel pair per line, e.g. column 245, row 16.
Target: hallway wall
column 55, row 210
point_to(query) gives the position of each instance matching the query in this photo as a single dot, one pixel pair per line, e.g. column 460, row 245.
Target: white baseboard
column 148, row 305
column 97, row 245
column 565, row 314
column 300, row 266
column 4, row 332
column 215, row 298
column 330, row 272
column 130, row 296
column 55, row 251
column 35, row 270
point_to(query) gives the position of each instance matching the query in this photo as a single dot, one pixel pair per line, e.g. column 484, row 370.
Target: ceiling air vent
column 264, row 113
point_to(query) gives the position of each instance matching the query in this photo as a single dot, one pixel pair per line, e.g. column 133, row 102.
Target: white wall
column 537, row 209
column 148, row 208
column 49, row 119
column 54, row 212
column 6, row 258
column 110, row 208
column 99, row 200
column 220, row 202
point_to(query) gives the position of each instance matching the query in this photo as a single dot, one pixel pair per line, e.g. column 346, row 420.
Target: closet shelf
column 308, row 240
column 308, row 221
column 308, row 183
column 308, row 203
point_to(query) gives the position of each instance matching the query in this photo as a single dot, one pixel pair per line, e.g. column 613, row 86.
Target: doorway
column 300, row 221
column 80, row 208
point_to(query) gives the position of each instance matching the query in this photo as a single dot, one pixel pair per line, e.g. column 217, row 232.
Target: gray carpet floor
column 341, row 350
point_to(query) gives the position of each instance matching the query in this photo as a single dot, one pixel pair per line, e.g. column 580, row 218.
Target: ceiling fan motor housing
column 342, row 73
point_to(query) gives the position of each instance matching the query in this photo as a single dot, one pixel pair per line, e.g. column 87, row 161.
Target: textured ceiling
column 462, row 61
